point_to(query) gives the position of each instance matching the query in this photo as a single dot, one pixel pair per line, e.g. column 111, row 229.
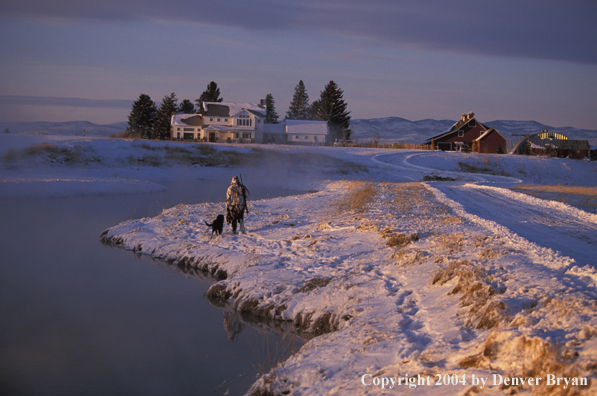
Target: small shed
column 307, row 133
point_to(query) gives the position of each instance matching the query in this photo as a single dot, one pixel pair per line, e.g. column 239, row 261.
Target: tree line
column 147, row 121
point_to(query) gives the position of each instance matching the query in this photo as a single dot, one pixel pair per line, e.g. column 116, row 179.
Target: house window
column 178, row 134
column 246, row 136
column 461, row 133
column 218, row 120
column 225, row 119
column 211, row 119
column 306, row 137
column 178, row 129
column 244, row 122
column 296, row 137
column 188, row 129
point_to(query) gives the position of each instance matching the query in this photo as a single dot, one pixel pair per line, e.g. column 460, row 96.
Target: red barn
column 491, row 141
column 469, row 134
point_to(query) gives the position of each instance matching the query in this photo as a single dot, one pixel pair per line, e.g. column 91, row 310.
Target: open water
column 81, row 318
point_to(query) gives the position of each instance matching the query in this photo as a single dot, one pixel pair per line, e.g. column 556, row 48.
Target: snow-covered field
column 475, row 283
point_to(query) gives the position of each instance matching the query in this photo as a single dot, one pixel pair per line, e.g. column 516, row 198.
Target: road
column 567, row 230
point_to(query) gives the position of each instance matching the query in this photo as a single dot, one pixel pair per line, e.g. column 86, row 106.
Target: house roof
column 220, row 109
column 256, row 113
column 187, row 119
column 306, row 127
column 274, row 128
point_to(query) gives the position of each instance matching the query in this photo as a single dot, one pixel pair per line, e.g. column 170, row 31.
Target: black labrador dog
column 217, row 225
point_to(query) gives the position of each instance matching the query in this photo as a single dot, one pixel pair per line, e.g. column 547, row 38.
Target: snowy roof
column 274, row 128
column 307, row 127
column 231, row 109
column 186, row 119
column 487, row 132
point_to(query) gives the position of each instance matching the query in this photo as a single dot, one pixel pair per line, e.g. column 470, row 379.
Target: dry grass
column 583, row 197
column 410, row 197
column 450, row 242
column 530, row 357
column 54, row 153
column 456, row 268
column 313, row 284
column 401, row 240
column 408, row 256
column 414, row 199
column 488, row 254
column 477, row 290
column 357, row 197
column 580, row 190
column 486, row 168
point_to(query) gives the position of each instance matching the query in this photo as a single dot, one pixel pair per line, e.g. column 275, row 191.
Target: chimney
column 462, row 117
column 262, row 103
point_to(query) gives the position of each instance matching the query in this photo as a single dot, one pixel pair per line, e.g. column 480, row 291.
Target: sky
column 69, row 60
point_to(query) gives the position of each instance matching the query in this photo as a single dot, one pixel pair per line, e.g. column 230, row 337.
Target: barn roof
column 464, row 119
column 487, row 133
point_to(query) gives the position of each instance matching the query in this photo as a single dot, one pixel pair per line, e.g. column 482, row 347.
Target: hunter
column 236, row 204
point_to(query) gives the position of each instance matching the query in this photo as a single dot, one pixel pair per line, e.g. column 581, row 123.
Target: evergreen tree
column 526, row 150
column 162, row 124
column 331, row 107
column 299, row 106
column 500, row 149
column 271, row 117
column 211, row 94
column 186, row 107
column 142, row 117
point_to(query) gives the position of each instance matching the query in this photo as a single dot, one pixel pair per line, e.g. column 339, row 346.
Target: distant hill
column 400, row 130
column 382, row 130
column 70, row 128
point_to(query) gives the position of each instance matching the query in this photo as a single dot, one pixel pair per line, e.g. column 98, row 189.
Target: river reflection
column 81, row 318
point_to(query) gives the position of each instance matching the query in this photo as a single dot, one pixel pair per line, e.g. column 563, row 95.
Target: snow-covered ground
column 397, row 276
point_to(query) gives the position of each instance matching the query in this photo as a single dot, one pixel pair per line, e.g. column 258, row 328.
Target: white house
column 186, row 126
column 310, row 133
column 221, row 122
column 245, row 122
column 303, row 132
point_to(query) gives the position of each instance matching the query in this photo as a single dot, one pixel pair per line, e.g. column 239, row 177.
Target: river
column 81, row 318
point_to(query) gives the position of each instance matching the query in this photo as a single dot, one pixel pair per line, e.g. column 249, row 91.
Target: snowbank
column 392, row 278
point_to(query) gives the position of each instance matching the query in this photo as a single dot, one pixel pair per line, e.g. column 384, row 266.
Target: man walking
column 236, row 204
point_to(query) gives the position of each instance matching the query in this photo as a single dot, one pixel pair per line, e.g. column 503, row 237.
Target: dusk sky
column 67, row 60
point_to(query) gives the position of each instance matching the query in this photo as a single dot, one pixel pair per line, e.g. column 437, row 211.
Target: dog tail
column 207, row 224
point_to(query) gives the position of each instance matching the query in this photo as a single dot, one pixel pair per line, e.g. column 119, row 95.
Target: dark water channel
column 81, row 318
